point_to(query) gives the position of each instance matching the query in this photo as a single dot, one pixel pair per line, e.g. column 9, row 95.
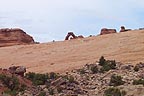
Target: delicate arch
column 70, row 34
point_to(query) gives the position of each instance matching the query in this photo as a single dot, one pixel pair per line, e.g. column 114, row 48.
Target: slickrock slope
column 126, row 47
column 16, row 36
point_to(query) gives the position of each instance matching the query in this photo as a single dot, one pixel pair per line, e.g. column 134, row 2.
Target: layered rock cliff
column 15, row 36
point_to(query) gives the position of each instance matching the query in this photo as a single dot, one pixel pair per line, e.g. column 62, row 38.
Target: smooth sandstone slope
column 127, row 47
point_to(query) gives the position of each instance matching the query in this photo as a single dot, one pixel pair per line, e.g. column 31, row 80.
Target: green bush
column 22, row 87
column 42, row 93
column 102, row 61
column 105, row 68
column 11, row 92
column 109, row 64
column 59, row 89
column 106, row 64
column 81, row 71
column 138, row 82
column 94, row 69
column 52, row 75
column 11, row 82
column 37, row 79
column 71, row 79
column 116, row 80
column 136, row 69
column 114, row 92
column 51, row 91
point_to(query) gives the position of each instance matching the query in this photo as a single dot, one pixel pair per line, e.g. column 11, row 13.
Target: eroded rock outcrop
column 15, row 36
column 71, row 35
column 107, row 31
column 123, row 29
column 19, row 70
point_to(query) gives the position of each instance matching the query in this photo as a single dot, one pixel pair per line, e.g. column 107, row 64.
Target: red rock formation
column 16, row 36
column 107, row 31
column 73, row 36
column 80, row 36
column 20, row 70
column 21, row 80
column 123, row 29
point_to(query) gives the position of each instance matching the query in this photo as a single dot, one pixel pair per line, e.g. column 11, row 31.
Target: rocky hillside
column 16, row 36
column 61, row 56
column 102, row 78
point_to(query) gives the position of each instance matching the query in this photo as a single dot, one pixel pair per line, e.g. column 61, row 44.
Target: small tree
column 102, row 61
column 109, row 64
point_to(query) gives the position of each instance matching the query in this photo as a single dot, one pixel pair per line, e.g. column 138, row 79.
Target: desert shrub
column 105, row 68
column 109, row 64
column 59, row 89
column 10, row 82
column 23, row 87
column 11, row 92
column 52, row 75
column 37, row 79
column 81, row 71
column 138, row 82
column 71, row 79
column 51, row 91
column 94, row 69
column 106, row 64
column 116, row 80
column 102, row 61
column 136, row 68
column 42, row 93
column 114, row 92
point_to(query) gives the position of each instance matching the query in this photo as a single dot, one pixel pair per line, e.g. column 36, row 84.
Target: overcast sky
column 48, row 20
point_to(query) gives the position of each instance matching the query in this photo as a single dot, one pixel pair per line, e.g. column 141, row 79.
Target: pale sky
column 48, row 20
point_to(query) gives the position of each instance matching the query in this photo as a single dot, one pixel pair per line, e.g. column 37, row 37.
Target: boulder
column 141, row 28
column 107, row 31
column 20, row 70
column 126, row 67
column 140, row 65
column 15, row 36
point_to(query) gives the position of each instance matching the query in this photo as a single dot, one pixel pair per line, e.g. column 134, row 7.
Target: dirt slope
column 127, row 47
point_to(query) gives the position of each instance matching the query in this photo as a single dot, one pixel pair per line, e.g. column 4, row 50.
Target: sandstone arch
column 68, row 37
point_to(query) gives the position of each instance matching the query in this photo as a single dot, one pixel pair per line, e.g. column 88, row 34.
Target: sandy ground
column 127, row 47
